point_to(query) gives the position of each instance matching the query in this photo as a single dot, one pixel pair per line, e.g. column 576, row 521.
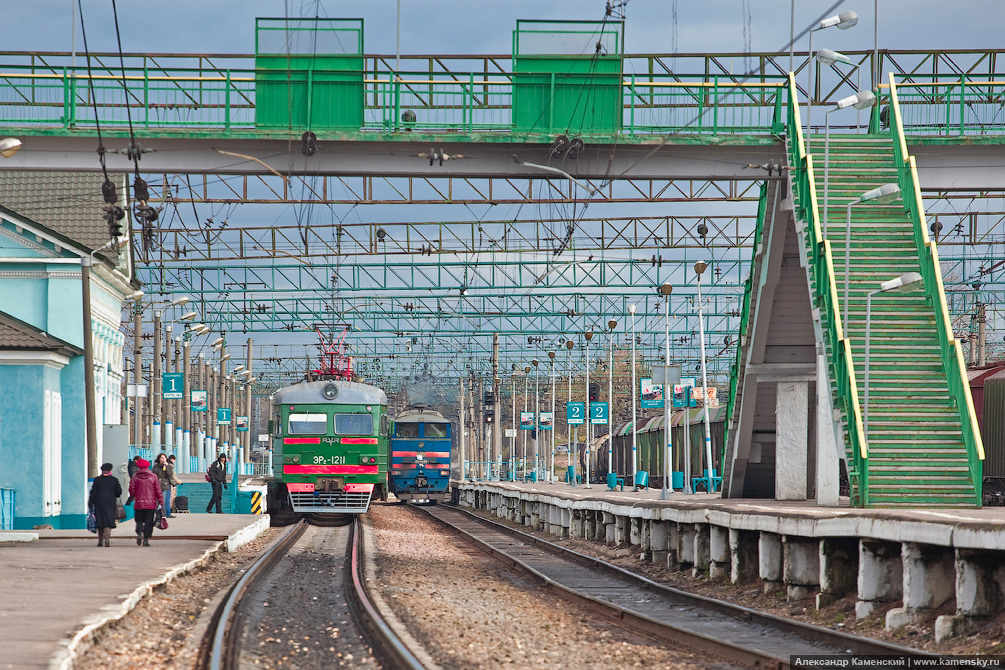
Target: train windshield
column 437, row 429
column 308, row 424
column 406, row 430
column 353, row 424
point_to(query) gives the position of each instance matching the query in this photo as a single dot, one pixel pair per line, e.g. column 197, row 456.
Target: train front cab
column 420, row 461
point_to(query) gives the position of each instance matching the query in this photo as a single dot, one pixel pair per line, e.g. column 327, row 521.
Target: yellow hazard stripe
column 256, row 502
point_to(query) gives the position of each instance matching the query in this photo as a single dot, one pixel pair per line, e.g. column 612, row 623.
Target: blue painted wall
column 75, row 484
column 21, row 443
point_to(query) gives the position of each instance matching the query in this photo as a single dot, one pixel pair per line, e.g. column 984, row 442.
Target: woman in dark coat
column 105, row 490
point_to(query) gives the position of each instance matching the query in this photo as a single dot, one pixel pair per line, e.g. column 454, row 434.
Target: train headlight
column 296, row 459
column 370, row 460
column 395, row 472
column 444, row 472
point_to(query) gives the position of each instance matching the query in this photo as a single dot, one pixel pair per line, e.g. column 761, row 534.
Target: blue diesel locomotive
column 330, row 448
column 420, row 456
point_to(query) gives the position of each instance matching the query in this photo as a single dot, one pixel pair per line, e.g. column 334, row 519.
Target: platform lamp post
column 589, row 414
column 611, row 325
column 512, row 441
column 551, row 469
column 842, row 21
column 537, row 416
column 699, row 269
column 880, row 195
column 895, row 284
column 635, row 435
column 666, row 290
column 572, row 442
column 861, row 100
column 86, row 261
column 526, row 378
column 137, row 298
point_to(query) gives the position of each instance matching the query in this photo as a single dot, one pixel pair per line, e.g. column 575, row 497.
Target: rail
column 952, row 353
column 821, row 263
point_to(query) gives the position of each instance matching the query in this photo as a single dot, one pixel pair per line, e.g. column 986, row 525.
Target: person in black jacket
column 218, row 479
column 105, row 490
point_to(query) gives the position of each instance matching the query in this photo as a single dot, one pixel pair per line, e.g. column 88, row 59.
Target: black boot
column 101, row 537
column 108, row 537
column 146, row 542
column 139, row 539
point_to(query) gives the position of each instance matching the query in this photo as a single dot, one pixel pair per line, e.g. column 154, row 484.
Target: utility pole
column 496, row 393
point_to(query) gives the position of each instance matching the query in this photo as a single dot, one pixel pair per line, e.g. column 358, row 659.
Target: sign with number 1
column 173, row 385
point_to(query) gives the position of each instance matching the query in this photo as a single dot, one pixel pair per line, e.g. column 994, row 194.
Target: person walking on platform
column 145, row 490
column 165, row 475
column 173, row 462
column 217, row 474
column 105, row 490
column 131, row 466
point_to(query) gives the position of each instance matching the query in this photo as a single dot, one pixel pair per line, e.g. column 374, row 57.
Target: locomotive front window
column 308, row 424
column 406, row 430
column 436, row 429
column 353, row 424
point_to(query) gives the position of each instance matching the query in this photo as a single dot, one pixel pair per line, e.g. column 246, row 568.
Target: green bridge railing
column 952, row 353
column 825, row 297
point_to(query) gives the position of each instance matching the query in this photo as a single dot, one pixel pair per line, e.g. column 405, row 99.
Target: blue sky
column 476, row 26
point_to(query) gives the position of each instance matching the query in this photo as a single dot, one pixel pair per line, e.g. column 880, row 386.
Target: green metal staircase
column 917, row 443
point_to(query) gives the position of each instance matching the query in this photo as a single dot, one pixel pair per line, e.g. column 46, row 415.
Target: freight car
column 420, row 456
column 330, row 448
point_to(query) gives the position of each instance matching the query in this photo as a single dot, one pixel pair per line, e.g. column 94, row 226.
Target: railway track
column 227, row 633
column 707, row 626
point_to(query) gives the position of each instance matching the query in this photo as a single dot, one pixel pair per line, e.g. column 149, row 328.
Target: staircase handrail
column 841, row 363
column 952, row 353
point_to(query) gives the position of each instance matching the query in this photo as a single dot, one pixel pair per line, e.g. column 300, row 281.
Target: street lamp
column 569, row 344
column 666, row 290
column 895, row 284
column 700, row 268
column 880, row 195
column 551, row 470
column 860, row 100
column 611, row 325
column 635, row 435
column 842, row 21
column 537, row 415
column 588, row 414
column 9, row 146
column 526, row 378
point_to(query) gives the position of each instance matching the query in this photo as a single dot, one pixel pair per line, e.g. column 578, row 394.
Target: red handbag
column 163, row 523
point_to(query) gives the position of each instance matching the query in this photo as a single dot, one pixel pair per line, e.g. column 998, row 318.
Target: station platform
column 990, row 518
column 57, row 587
column 909, row 565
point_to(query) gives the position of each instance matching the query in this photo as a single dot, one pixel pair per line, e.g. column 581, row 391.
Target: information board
column 575, row 413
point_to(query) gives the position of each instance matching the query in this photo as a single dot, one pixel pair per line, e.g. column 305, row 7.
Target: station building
column 49, row 224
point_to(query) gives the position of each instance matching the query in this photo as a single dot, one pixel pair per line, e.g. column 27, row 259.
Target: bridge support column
column 880, row 576
column 659, row 541
column 838, row 569
column 610, row 528
column 980, row 593
column 929, row 581
column 828, row 459
column 685, row 556
column 718, row 552
column 701, row 550
column 769, row 560
column 801, row 567
column 791, row 440
column 742, row 555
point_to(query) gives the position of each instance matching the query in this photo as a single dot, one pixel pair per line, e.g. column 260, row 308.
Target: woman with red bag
column 145, row 491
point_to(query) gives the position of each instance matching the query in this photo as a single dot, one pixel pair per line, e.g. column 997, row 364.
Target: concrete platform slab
column 55, row 591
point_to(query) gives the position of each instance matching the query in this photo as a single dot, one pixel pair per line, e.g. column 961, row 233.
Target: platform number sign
column 173, row 385
column 598, row 413
column 575, row 413
column 223, row 416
